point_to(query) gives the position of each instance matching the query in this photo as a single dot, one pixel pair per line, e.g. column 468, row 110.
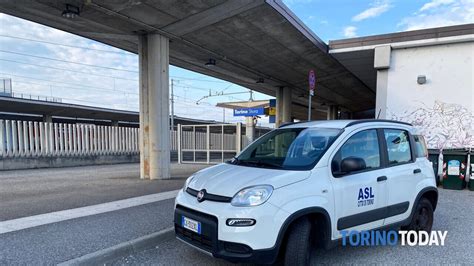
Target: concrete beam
column 154, row 107
column 382, row 57
column 382, row 64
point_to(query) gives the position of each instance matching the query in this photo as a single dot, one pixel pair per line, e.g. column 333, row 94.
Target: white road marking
column 54, row 217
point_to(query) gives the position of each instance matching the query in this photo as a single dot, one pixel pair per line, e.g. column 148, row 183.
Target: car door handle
column 381, row 178
column 417, row 171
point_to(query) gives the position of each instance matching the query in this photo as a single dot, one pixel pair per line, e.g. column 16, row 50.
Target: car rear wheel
column 298, row 245
column 422, row 219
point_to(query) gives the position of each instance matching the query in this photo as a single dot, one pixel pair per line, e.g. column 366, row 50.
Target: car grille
column 207, row 240
column 200, row 241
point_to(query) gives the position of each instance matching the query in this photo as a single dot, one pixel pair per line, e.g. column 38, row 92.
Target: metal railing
column 28, row 96
column 37, row 139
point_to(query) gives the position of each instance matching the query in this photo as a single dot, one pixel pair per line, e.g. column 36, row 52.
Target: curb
column 103, row 256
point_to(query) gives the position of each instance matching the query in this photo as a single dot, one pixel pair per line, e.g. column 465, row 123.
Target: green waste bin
column 433, row 157
column 471, row 175
column 454, row 169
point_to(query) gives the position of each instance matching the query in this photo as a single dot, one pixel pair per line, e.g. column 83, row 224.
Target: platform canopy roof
column 250, row 40
column 244, row 104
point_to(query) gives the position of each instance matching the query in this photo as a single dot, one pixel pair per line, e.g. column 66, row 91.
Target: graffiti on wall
column 445, row 125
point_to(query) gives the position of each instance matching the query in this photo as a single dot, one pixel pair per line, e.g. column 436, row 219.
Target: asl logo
column 366, row 197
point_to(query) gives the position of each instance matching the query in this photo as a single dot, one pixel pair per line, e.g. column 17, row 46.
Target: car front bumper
column 257, row 243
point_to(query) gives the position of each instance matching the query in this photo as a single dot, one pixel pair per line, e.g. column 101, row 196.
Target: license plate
column 191, row 224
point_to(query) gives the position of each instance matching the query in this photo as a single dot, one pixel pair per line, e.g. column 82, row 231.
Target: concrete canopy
column 25, row 106
column 14, row 108
column 249, row 39
column 357, row 54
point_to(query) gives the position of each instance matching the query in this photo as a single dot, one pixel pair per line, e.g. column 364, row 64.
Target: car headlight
column 252, row 196
column 186, row 183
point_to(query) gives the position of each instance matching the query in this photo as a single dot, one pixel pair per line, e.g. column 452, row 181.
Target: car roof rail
column 361, row 121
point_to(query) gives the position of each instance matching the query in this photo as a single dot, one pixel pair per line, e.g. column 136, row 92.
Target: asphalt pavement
column 62, row 241
column 455, row 213
column 36, row 191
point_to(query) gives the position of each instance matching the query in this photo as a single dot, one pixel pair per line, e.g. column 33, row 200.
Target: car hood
column 227, row 179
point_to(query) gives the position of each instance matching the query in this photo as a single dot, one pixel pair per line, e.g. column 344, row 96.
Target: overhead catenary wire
column 67, row 45
column 54, row 81
column 65, row 69
column 67, row 87
column 70, row 62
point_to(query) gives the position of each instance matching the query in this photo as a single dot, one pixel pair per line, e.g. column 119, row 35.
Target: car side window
column 398, row 146
column 363, row 145
column 420, row 146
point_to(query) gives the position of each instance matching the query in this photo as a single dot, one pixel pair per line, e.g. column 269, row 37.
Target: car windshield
column 288, row 148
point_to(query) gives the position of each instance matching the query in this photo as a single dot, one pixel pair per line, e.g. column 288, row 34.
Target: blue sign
column 249, row 111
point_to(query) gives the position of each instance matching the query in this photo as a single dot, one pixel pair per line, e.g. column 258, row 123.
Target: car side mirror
column 352, row 164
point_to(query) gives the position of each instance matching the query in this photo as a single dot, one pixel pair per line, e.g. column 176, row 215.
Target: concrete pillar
column 283, row 105
column 381, row 94
column 279, row 107
column 154, row 107
column 48, row 118
column 286, row 116
column 238, row 135
column 249, row 129
column 333, row 112
column 381, row 64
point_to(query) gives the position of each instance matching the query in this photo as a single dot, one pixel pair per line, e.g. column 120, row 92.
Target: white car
column 300, row 185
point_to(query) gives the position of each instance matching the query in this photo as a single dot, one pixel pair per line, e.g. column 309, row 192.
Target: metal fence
column 209, row 144
column 36, row 139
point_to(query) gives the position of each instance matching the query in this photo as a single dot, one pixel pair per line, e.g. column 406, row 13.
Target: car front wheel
column 298, row 245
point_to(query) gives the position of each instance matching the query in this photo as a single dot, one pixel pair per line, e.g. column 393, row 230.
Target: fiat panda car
column 300, row 185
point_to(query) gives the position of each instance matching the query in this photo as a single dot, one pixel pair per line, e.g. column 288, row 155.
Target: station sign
column 249, row 111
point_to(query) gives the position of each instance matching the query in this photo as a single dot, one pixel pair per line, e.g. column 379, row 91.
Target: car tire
column 298, row 244
column 422, row 219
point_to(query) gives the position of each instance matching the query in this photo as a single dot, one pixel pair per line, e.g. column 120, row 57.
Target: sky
column 46, row 62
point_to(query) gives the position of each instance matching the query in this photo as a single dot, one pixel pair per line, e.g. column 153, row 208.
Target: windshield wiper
column 261, row 163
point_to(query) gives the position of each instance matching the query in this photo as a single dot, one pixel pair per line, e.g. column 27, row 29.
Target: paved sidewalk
column 36, row 191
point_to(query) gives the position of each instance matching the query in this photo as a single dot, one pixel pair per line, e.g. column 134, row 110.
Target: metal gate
column 214, row 143
column 210, row 144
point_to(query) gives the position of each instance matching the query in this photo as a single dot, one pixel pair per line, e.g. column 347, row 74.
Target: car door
column 360, row 197
column 402, row 175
